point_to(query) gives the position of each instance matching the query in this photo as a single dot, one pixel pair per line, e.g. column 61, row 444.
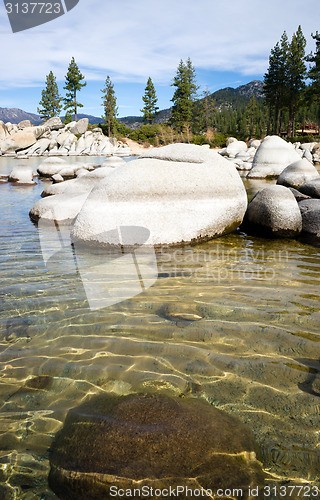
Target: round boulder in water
column 272, row 157
column 296, row 174
column 273, row 212
column 310, row 211
column 180, row 193
column 113, row 443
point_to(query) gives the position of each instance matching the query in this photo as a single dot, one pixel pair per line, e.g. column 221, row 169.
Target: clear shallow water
column 252, row 349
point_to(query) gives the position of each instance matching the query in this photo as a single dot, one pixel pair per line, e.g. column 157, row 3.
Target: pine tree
column 73, row 84
column 314, row 73
column 184, row 96
column 109, row 102
column 150, row 109
column 51, row 100
column 275, row 81
column 296, row 76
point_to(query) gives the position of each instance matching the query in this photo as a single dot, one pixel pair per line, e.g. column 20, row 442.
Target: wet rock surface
column 150, row 440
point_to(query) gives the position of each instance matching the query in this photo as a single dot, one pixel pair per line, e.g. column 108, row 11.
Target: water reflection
column 234, row 321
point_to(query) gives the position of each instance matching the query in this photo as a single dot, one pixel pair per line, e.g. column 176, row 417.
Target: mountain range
column 224, row 98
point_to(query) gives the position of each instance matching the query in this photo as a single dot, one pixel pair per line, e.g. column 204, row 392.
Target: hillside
column 224, row 98
column 15, row 115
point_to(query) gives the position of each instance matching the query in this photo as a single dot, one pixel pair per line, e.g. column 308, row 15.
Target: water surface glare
column 234, row 321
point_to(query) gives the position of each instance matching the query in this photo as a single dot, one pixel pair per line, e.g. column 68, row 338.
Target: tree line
column 289, row 85
column 291, row 96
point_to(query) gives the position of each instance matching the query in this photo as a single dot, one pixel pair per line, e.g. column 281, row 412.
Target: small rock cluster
column 291, row 207
column 268, row 158
column 53, row 138
column 239, row 153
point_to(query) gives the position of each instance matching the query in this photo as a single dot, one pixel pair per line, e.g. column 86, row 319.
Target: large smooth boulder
column 311, row 188
column 152, row 441
column 24, row 124
column 54, row 123
column 272, row 157
column 273, row 212
column 179, row 193
column 297, row 173
column 310, row 211
column 21, row 175
column 51, row 166
column 20, row 140
column 61, row 138
column 80, row 127
column 8, row 146
column 236, row 147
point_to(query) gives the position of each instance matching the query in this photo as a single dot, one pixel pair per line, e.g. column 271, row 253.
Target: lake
column 234, row 321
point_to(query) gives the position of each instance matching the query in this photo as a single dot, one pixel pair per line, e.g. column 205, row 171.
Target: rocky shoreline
column 53, row 138
column 182, row 193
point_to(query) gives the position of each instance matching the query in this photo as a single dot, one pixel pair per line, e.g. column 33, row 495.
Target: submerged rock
column 273, row 212
column 180, row 193
column 150, row 440
column 272, row 157
column 181, row 312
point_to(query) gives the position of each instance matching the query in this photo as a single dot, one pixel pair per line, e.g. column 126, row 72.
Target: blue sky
column 228, row 42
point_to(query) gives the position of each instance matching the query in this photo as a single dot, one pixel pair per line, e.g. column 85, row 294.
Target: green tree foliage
column 184, row 96
column 285, row 82
column 51, row 100
column 314, row 74
column 274, row 83
column 296, row 73
column 74, row 83
column 109, row 102
column 150, row 109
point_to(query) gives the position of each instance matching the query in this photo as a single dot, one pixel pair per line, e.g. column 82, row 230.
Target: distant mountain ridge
column 224, row 98
column 15, row 115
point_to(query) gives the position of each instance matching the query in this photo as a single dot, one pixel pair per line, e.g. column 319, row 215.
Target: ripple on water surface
column 234, row 321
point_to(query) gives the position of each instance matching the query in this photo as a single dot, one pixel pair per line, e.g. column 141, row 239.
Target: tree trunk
column 293, row 123
column 75, row 107
column 290, row 122
column 280, row 122
column 276, row 118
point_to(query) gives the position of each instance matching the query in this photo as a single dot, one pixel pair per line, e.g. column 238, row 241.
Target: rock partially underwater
column 180, row 193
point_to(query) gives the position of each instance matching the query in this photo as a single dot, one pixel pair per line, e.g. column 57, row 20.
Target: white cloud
column 131, row 40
